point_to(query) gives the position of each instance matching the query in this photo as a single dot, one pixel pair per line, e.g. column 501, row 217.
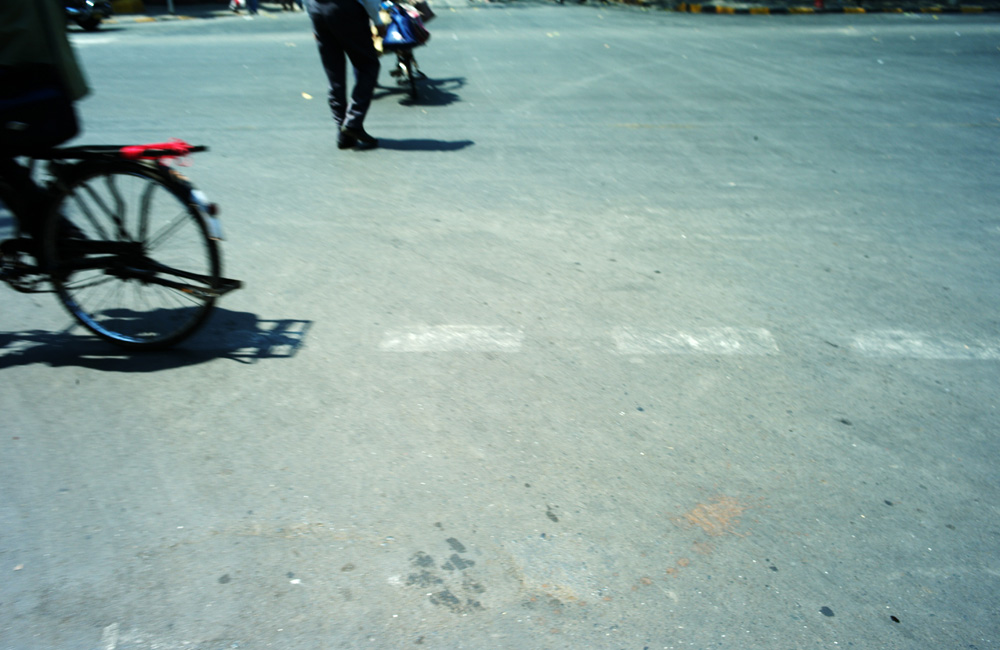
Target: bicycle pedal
column 23, row 280
column 20, row 275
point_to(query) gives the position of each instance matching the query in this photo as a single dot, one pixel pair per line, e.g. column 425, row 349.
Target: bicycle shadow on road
column 238, row 336
column 433, row 92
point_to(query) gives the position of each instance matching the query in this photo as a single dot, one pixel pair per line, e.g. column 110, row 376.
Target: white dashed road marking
column 718, row 341
column 917, row 345
column 708, row 340
column 452, row 338
column 84, row 41
column 109, row 637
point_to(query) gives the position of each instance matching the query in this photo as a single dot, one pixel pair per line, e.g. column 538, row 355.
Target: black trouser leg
column 331, row 55
column 28, row 198
column 364, row 58
column 344, row 34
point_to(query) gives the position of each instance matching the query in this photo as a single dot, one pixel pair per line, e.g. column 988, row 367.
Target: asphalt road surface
column 641, row 330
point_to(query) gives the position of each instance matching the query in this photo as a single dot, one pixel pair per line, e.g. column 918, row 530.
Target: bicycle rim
column 150, row 297
column 411, row 75
column 407, row 66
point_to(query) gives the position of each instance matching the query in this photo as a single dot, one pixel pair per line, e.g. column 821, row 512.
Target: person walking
column 343, row 33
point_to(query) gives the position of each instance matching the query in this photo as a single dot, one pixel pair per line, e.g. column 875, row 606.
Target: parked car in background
column 88, row 14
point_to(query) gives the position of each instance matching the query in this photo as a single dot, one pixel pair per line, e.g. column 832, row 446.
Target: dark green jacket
column 34, row 31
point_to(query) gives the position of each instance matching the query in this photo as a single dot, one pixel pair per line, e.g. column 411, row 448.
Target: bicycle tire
column 406, row 63
column 414, row 95
column 141, row 270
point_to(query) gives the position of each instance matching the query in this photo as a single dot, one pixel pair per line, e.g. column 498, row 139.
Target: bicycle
column 129, row 246
column 407, row 72
column 405, row 31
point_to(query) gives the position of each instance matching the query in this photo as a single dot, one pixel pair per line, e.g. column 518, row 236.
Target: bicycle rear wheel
column 407, row 66
column 130, row 254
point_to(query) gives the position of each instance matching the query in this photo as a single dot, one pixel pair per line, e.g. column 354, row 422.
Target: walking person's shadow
column 432, row 92
column 424, row 144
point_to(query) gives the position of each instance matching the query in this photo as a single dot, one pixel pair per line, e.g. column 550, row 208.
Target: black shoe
column 345, row 141
column 361, row 138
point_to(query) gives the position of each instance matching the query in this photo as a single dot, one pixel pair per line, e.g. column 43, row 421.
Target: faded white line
column 918, row 345
column 707, row 340
column 84, row 41
column 109, row 637
column 452, row 338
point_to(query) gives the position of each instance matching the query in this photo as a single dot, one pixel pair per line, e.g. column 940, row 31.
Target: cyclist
column 34, row 52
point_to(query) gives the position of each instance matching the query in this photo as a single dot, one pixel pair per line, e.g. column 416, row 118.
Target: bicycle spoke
column 85, row 208
column 146, row 202
column 166, row 231
column 79, row 284
column 120, row 214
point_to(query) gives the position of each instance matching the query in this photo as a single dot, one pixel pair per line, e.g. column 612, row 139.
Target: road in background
column 641, row 330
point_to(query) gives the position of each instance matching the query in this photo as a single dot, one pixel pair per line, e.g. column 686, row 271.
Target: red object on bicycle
column 173, row 149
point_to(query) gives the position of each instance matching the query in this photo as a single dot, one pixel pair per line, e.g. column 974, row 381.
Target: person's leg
column 331, row 55
column 27, row 199
column 355, row 34
column 366, row 69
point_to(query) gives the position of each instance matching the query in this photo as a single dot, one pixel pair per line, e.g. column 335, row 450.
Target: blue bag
column 403, row 30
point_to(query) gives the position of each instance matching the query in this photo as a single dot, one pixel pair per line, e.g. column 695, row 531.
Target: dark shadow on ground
column 105, row 28
column 432, row 92
column 421, row 144
column 238, row 336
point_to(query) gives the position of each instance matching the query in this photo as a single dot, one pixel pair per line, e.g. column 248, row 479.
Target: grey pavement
column 722, row 7
column 201, row 11
column 641, row 330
